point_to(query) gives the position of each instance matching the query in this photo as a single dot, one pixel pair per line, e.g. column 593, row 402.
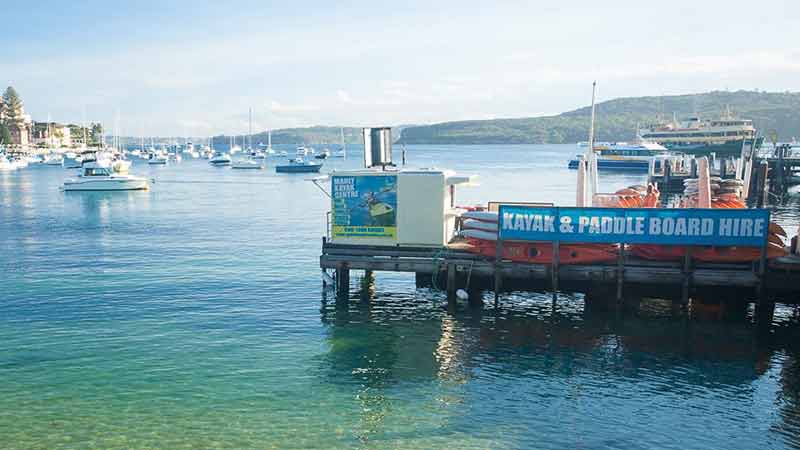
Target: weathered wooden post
column 763, row 169
column 554, row 269
column 498, row 258
column 620, row 273
column 687, row 276
column 764, row 309
column 343, row 280
column 451, row 284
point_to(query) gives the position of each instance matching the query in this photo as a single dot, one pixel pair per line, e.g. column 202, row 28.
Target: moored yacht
column 6, row 165
column 246, row 163
column 298, row 165
column 157, row 158
column 220, row 159
column 101, row 176
column 54, row 159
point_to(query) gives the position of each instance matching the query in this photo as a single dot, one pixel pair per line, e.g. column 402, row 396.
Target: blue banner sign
column 742, row 227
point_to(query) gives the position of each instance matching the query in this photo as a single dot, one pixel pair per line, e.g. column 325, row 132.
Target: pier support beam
column 367, row 285
column 554, row 270
column 343, row 281
column 762, row 186
column 620, row 273
column 687, row 276
column 498, row 278
column 451, row 284
column 475, row 297
column 765, row 312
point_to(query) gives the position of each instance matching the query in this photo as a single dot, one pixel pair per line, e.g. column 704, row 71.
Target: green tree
column 5, row 134
column 13, row 104
column 97, row 133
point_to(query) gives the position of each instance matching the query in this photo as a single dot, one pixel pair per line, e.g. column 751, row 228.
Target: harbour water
column 192, row 316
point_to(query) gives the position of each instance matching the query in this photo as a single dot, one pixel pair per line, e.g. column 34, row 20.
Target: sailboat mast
column 592, row 157
column 250, row 129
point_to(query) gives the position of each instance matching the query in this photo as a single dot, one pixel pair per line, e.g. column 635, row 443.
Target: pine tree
column 13, row 104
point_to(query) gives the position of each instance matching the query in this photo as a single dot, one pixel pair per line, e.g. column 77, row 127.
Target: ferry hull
column 727, row 148
column 610, row 165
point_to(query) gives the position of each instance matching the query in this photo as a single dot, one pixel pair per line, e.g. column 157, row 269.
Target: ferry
column 724, row 136
column 623, row 156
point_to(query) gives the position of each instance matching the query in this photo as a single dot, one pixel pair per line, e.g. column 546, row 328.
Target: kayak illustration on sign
column 365, row 206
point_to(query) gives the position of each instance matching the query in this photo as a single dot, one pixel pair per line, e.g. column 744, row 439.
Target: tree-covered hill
column 617, row 119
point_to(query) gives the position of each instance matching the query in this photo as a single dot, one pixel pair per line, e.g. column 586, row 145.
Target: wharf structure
column 408, row 221
column 767, row 174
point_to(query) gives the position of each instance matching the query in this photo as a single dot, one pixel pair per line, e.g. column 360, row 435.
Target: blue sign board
column 742, row 227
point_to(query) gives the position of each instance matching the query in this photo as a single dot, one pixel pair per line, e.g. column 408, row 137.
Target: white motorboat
column 283, row 154
column 220, row 159
column 6, row 165
column 302, row 151
column 247, row 163
column 54, row 160
column 157, row 158
column 100, row 176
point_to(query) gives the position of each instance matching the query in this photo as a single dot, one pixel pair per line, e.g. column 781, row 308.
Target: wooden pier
column 627, row 280
column 772, row 176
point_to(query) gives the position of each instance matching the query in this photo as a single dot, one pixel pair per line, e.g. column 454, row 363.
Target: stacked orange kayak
column 479, row 228
column 723, row 198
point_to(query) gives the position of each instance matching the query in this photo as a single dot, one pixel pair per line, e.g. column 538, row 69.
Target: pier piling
column 554, row 270
column 342, row 280
column 620, row 273
column 451, row 283
column 687, row 276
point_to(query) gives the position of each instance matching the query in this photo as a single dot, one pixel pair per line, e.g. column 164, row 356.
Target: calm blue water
column 192, row 316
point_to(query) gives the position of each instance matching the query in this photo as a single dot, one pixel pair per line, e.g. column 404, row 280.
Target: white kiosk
column 381, row 205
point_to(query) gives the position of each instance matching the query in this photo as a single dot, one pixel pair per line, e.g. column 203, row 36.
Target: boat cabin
column 96, row 172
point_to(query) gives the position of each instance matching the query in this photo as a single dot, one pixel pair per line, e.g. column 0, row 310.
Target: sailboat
column 269, row 151
column 343, row 152
column 235, row 148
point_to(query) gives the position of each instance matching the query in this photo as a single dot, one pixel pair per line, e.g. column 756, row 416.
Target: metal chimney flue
column 377, row 147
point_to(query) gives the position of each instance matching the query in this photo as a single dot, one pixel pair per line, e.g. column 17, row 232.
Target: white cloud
column 344, row 97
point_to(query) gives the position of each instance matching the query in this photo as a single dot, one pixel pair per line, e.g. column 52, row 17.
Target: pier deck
column 456, row 268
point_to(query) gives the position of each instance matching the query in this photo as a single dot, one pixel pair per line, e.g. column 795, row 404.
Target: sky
column 195, row 68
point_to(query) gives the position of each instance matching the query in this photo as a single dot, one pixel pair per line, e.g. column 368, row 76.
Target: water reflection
column 379, row 344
